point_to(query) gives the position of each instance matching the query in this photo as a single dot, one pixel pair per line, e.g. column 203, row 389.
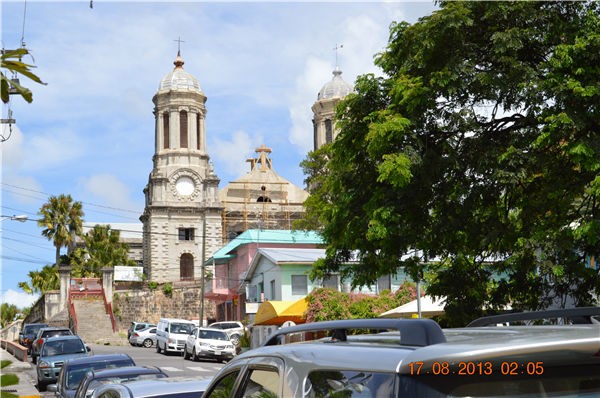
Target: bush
column 168, row 289
column 326, row 304
column 152, row 285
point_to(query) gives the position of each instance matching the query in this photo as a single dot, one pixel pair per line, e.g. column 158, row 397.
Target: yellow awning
column 278, row 312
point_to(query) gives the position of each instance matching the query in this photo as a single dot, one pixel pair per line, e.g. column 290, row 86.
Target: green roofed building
column 229, row 266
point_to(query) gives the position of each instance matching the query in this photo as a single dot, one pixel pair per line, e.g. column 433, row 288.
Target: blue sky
column 90, row 131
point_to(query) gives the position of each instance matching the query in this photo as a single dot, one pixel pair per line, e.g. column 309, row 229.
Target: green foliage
column 42, row 281
column 61, row 220
column 479, row 149
column 103, row 248
column 327, row 304
column 8, row 313
column 168, row 289
column 12, row 62
column 152, row 285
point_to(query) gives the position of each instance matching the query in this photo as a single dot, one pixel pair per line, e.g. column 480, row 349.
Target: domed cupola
column 336, row 88
column 179, row 79
column 324, row 108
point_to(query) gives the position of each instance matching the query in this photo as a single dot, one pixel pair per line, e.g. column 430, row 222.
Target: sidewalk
column 24, row 371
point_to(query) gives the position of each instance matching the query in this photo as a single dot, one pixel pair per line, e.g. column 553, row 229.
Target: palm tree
column 62, row 220
column 42, row 281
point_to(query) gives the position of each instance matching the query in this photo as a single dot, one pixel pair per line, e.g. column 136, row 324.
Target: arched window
column 183, row 129
column 263, row 199
column 186, row 267
column 166, row 130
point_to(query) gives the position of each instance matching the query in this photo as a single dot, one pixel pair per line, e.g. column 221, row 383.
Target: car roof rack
column 413, row 332
column 579, row 315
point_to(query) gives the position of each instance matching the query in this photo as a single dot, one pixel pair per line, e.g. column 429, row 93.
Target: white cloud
column 108, row 189
column 21, row 300
column 233, row 153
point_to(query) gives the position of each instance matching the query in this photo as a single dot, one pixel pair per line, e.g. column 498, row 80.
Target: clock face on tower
column 185, row 186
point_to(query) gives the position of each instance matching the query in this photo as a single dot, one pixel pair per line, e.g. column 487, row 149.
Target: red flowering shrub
column 326, row 304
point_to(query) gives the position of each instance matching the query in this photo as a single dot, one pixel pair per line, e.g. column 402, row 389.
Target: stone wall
column 150, row 305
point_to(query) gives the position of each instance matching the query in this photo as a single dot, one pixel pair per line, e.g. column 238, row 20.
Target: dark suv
column 27, row 334
column 417, row 358
column 42, row 335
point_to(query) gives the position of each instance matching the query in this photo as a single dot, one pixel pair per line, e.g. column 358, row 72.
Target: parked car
column 74, row 370
column 28, row 332
column 208, row 343
column 417, row 358
column 42, row 335
column 137, row 326
column 54, row 353
column 96, row 378
column 145, row 337
column 168, row 387
column 171, row 334
column 234, row 329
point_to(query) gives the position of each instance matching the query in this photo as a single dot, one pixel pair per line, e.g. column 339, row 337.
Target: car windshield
column 32, row 329
column 184, row 328
column 213, row 335
column 63, row 347
column 77, row 372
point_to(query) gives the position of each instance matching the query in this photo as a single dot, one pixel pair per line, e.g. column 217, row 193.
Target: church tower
column 324, row 108
column 182, row 216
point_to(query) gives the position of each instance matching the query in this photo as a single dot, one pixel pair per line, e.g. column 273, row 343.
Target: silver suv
column 417, row 358
column 234, row 329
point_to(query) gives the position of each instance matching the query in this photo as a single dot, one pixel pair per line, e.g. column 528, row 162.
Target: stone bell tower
column 182, row 216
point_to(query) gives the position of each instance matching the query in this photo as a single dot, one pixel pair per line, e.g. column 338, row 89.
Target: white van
column 172, row 333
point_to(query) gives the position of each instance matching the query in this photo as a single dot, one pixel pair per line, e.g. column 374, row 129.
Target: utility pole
column 201, row 319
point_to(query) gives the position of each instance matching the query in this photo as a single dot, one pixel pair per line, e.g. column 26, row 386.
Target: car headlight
column 171, row 341
column 44, row 364
column 204, row 345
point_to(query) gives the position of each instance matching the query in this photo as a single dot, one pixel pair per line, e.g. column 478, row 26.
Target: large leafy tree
column 475, row 158
column 103, row 248
column 62, row 220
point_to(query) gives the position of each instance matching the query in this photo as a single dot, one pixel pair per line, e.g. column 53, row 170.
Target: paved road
column 172, row 364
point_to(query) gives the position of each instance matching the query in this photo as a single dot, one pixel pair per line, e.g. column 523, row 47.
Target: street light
column 20, row 218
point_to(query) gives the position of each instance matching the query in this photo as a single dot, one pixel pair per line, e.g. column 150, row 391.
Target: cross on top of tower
column 179, row 62
column 336, row 48
column 265, row 162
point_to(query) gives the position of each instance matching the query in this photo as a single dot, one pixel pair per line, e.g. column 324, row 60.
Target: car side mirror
column 52, row 388
column 87, row 347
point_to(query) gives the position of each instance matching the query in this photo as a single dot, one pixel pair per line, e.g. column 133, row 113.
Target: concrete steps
column 93, row 323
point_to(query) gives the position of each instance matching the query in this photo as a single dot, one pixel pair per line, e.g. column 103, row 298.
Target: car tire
column 41, row 386
column 158, row 347
column 186, row 355
column 148, row 343
column 235, row 339
column 194, row 355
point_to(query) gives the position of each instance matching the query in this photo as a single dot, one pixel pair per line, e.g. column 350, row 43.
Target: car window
column 346, row 383
column 223, row 387
column 261, row 383
column 184, row 328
